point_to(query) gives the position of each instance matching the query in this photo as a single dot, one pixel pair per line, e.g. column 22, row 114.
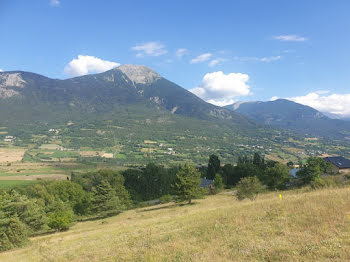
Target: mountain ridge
column 286, row 114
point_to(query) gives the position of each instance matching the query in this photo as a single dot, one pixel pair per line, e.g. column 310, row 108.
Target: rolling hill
column 292, row 116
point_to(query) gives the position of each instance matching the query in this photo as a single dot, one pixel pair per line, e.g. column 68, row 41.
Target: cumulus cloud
column 85, row 64
column 290, row 38
column 220, row 89
column 181, row 52
column 274, row 98
column 337, row 104
column 266, row 59
column 201, row 58
column 150, row 49
column 55, row 2
column 1, row 70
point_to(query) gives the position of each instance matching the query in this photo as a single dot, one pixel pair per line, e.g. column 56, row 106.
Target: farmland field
column 11, row 154
column 14, row 183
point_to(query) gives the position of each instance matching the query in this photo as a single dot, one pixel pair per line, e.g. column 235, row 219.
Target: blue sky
column 223, row 51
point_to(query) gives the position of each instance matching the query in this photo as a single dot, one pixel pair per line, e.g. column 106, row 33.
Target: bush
column 165, row 199
column 61, row 216
column 249, row 187
column 326, row 182
column 218, row 184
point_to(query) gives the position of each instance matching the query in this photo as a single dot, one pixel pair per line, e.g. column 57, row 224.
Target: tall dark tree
column 213, row 166
column 258, row 160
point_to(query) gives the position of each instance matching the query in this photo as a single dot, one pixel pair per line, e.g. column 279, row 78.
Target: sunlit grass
column 303, row 226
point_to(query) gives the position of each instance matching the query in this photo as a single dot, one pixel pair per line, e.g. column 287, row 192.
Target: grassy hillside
column 312, row 226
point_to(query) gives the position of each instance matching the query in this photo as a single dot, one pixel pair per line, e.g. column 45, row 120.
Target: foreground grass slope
column 312, row 226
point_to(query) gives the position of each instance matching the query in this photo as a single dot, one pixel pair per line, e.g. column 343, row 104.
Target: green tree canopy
column 277, row 176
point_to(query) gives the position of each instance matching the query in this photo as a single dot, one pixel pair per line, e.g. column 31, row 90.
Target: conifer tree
column 5, row 243
column 187, row 183
column 17, row 232
column 105, row 200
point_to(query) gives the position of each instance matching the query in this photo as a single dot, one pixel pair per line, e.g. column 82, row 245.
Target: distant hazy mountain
column 335, row 116
column 293, row 116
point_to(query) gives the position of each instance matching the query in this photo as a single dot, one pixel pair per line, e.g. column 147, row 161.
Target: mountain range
column 136, row 114
column 289, row 115
column 28, row 96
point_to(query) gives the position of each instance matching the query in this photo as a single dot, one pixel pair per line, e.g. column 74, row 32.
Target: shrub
column 165, row 199
column 249, row 187
column 218, row 183
column 326, row 182
column 61, row 216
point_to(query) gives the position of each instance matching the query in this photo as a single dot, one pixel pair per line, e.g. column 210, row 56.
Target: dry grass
column 11, row 155
column 310, row 226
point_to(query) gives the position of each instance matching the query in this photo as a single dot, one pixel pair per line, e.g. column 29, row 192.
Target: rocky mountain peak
column 11, row 80
column 139, row 74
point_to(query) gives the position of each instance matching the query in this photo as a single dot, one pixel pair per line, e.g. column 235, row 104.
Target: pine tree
column 5, row 243
column 105, row 200
column 187, row 183
column 17, row 232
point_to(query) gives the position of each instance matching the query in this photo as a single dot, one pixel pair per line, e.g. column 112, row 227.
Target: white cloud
column 274, row 98
column 216, row 61
column 270, row 59
column 220, row 89
column 290, row 38
column 85, row 64
column 201, row 58
column 181, row 52
column 55, row 2
column 337, row 104
column 266, row 59
column 1, row 70
column 150, row 49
